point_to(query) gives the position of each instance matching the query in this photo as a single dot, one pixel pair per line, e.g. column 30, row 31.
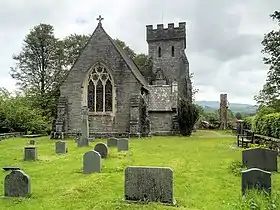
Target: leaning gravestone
column 30, row 153
column 60, row 147
column 112, row 142
column 255, row 178
column 17, row 184
column 102, row 149
column 264, row 159
column 153, row 184
column 91, row 162
column 122, row 144
column 32, row 142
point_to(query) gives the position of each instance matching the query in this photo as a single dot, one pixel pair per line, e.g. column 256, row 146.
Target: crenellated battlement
column 170, row 33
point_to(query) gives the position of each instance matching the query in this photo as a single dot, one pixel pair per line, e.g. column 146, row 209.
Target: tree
column 73, row 44
column 43, row 63
column 39, row 67
column 126, row 48
column 188, row 114
column 269, row 95
column 238, row 115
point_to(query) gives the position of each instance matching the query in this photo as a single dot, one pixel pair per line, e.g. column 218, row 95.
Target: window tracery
column 100, row 90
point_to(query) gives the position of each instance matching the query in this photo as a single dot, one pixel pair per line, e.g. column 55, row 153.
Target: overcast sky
column 223, row 36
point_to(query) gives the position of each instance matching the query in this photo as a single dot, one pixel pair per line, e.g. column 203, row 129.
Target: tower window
column 172, row 51
column 159, row 52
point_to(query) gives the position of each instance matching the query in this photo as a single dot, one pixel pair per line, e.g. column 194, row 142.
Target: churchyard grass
column 205, row 174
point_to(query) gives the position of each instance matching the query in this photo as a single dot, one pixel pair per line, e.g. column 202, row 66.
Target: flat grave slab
column 10, row 168
column 32, row 136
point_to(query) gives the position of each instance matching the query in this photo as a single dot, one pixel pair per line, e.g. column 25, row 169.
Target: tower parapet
column 170, row 33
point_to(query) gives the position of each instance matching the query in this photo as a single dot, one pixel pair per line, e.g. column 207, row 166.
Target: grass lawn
column 201, row 164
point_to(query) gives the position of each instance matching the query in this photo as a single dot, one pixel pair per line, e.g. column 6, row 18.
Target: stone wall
column 161, row 123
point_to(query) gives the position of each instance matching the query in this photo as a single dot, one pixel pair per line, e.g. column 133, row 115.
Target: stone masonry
column 128, row 85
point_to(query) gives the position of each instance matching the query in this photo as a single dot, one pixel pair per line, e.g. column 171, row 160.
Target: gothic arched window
column 100, row 90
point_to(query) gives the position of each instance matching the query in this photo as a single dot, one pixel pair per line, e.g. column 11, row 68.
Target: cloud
column 223, row 37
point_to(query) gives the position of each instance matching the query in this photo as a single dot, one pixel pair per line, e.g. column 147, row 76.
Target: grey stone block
column 122, row 144
column 153, row 184
column 102, row 149
column 112, row 142
column 264, row 159
column 60, row 147
column 17, row 184
column 32, row 142
column 82, row 142
column 255, row 178
column 91, row 162
column 30, row 153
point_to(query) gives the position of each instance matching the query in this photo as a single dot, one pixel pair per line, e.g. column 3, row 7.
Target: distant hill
column 211, row 106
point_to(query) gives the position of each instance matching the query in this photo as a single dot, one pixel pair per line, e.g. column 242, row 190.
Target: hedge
column 267, row 125
column 248, row 122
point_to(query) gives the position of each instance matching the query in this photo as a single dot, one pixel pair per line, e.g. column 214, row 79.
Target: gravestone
column 91, row 162
column 112, row 142
column 264, row 159
column 122, row 144
column 102, row 149
column 256, row 178
column 153, row 184
column 239, row 127
column 83, row 141
column 30, row 153
column 60, row 147
column 17, row 184
column 32, row 142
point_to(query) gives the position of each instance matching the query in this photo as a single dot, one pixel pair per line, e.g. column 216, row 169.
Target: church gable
column 103, row 79
column 101, row 48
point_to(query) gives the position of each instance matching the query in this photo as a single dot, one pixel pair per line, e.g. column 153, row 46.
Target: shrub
column 16, row 114
column 268, row 125
column 188, row 114
column 248, row 122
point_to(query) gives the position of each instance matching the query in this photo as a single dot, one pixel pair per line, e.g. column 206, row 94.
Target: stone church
column 106, row 85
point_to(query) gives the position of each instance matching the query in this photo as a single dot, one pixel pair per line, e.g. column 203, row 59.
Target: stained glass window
column 91, row 96
column 100, row 90
column 108, row 96
column 99, row 96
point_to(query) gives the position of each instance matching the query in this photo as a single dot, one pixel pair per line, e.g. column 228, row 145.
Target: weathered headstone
column 261, row 158
column 91, row 162
column 60, row 147
column 102, row 149
column 153, row 184
column 256, row 178
column 17, row 184
column 112, row 142
column 83, row 141
column 32, row 142
column 30, row 153
column 122, row 144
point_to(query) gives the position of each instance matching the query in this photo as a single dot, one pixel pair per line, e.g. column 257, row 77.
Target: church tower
column 167, row 50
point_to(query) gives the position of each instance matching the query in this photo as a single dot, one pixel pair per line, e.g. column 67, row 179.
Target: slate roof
column 160, row 98
column 128, row 61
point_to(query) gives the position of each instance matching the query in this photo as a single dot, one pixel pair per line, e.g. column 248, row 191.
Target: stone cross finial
column 100, row 19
